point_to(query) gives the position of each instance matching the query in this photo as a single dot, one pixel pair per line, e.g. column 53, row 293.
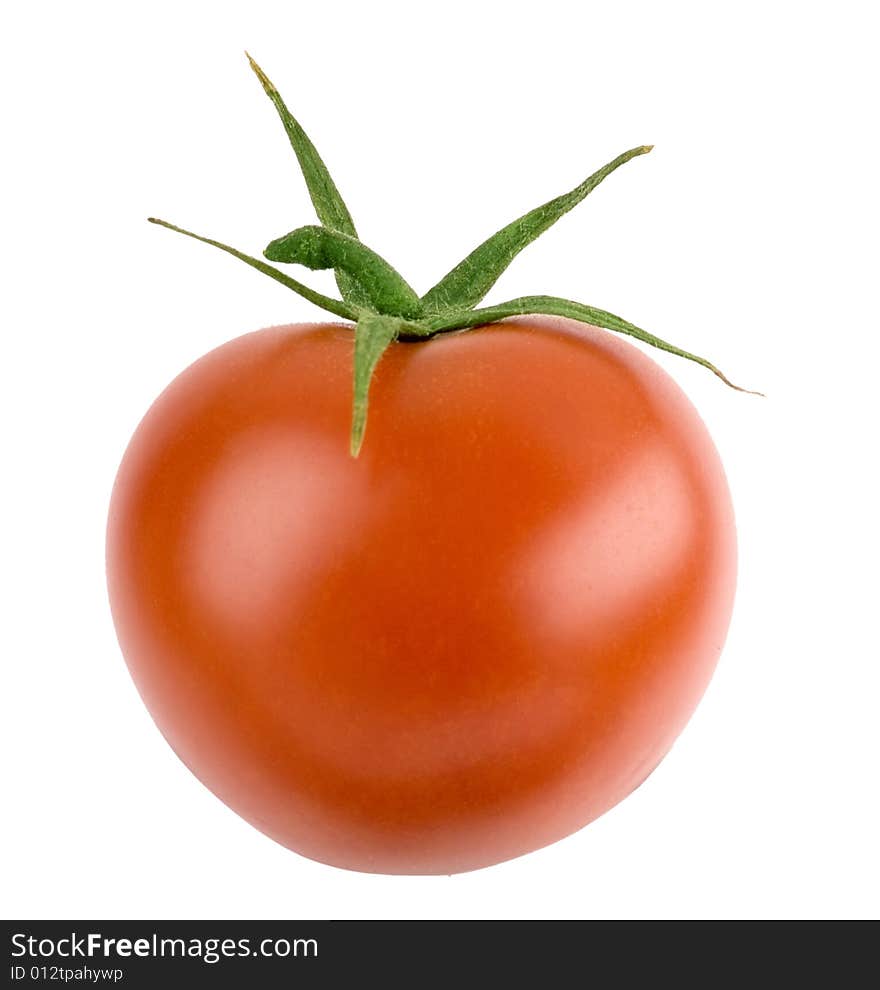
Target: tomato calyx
column 382, row 304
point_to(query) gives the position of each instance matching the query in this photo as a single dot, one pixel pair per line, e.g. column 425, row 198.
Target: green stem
column 318, row 248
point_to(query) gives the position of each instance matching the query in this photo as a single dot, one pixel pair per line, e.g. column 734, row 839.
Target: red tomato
column 463, row 645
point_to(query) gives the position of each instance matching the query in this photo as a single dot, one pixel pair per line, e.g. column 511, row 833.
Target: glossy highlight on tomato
column 462, row 645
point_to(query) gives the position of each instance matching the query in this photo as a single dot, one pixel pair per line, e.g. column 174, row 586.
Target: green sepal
column 471, row 279
column 335, row 306
column 554, row 306
column 383, row 306
column 326, row 198
column 373, row 334
column 383, row 289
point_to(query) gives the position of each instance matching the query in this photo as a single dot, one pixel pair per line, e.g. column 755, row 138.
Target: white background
column 748, row 235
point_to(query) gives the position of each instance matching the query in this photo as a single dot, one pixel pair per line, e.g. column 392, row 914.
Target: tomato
column 464, row 644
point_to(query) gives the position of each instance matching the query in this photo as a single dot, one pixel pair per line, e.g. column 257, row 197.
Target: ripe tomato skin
column 463, row 645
